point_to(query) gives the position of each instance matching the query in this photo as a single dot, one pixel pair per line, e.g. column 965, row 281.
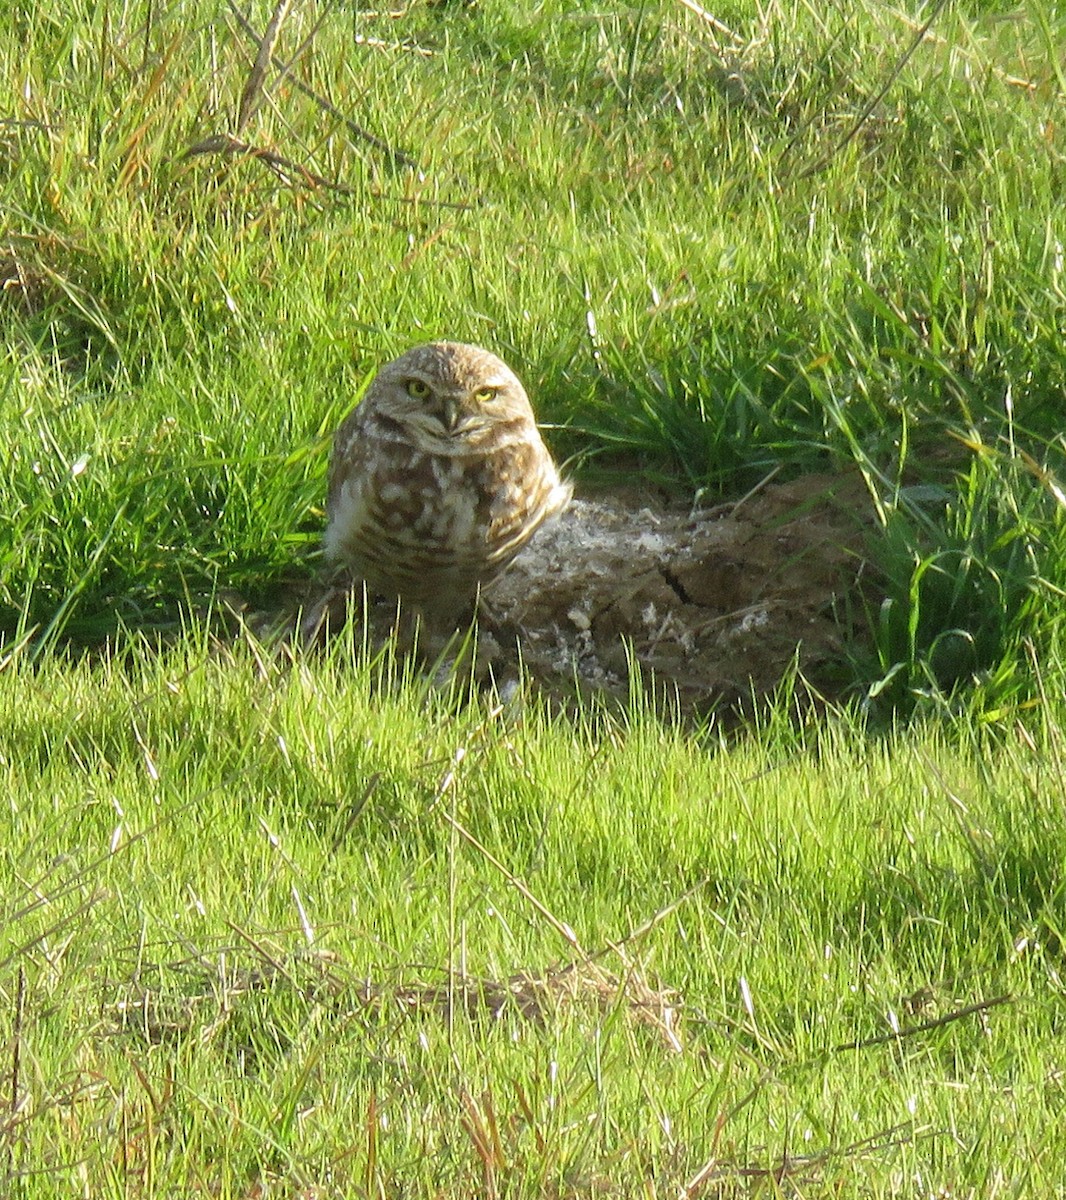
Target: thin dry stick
column 69, row 885
column 734, row 506
column 713, row 1168
column 710, row 1168
column 820, row 164
column 791, row 1165
column 357, row 808
column 41, row 898
column 649, row 924
column 356, row 130
column 1011, row 80
column 223, row 143
column 261, row 950
column 57, row 927
column 16, row 1039
column 252, row 95
column 959, row 810
column 711, row 20
column 911, row 1030
column 285, row 68
column 560, row 927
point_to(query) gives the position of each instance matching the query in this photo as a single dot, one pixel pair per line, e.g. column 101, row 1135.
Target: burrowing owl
column 438, row 478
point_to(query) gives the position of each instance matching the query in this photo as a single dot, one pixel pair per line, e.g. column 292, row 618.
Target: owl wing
column 526, row 490
column 348, row 459
column 346, row 499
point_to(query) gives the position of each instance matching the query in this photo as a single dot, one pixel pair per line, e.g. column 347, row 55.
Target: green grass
column 229, row 883
column 234, row 892
column 669, row 232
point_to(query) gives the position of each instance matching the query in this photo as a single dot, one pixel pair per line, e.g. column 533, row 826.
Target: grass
column 318, row 927
column 234, row 890
column 668, row 230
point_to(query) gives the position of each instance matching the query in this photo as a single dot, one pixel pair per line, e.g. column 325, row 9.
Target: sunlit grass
column 235, row 890
column 259, row 912
column 706, row 252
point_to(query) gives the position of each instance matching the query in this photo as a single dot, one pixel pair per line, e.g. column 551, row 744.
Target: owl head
column 448, row 390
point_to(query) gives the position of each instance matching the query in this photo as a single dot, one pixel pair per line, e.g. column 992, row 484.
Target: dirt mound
column 714, row 604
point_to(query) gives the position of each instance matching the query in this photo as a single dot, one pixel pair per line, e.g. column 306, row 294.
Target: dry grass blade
column 284, row 168
column 261, row 950
column 935, row 1023
column 158, row 1016
column 712, row 21
column 356, row 811
column 536, row 997
column 559, row 926
column 653, row 1007
column 252, row 95
column 20, row 284
column 792, row 1166
column 398, row 157
column 956, row 48
column 290, row 172
column 16, row 1041
column 482, row 1129
column 56, row 927
column 825, row 159
column 647, row 926
column 959, row 812
column 42, row 899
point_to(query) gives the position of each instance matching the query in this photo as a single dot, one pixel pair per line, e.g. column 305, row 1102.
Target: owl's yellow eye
column 484, row 395
column 416, row 388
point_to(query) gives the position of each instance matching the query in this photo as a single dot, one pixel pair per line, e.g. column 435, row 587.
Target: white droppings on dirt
column 711, row 604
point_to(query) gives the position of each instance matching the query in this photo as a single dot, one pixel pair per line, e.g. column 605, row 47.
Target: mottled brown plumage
column 438, row 479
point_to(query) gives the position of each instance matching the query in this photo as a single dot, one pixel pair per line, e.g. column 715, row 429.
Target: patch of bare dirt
column 715, row 605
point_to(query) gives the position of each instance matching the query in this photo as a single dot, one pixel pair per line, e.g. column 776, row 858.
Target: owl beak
column 452, row 412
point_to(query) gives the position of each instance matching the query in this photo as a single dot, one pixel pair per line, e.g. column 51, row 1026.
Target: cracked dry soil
column 715, row 605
